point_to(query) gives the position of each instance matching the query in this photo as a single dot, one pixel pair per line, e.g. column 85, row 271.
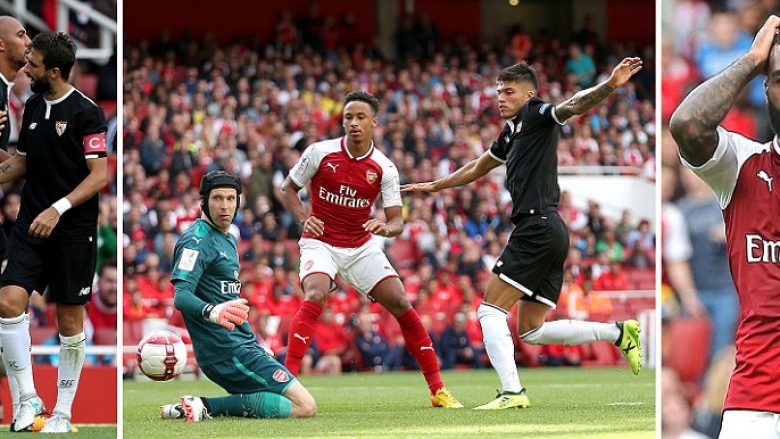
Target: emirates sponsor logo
column 760, row 250
column 347, row 197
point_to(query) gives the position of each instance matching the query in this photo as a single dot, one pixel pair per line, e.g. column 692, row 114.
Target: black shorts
column 533, row 258
column 65, row 265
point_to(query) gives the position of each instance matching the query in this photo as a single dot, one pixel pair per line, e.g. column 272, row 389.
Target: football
column 162, row 355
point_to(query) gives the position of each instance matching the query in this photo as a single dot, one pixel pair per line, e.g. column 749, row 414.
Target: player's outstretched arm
column 292, row 203
column 584, row 100
column 465, row 175
column 693, row 125
column 44, row 223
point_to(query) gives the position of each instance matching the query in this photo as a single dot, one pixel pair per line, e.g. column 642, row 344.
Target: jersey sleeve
column 538, row 112
column 391, row 187
column 21, row 143
column 191, row 256
column 306, row 167
column 499, row 149
column 720, row 172
column 93, row 130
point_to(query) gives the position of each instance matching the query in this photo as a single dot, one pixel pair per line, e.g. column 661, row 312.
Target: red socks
column 300, row 335
column 420, row 346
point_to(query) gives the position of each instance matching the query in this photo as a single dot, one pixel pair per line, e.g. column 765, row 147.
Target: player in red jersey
column 742, row 173
column 346, row 176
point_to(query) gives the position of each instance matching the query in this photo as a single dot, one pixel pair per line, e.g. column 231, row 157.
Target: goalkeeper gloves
column 228, row 314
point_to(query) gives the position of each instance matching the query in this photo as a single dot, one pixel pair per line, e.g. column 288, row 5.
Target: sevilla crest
column 60, row 127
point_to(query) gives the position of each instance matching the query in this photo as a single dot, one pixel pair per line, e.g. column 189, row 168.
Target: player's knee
column 11, row 304
column 531, row 334
column 316, row 295
column 306, row 407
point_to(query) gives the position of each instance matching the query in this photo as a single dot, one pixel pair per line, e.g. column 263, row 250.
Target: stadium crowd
column 252, row 107
column 699, row 299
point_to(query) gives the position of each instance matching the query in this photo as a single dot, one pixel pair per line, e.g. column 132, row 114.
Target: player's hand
column 377, row 227
column 313, row 226
column 44, row 223
column 230, row 314
column 428, row 186
column 762, row 43
column 624, row 71
column 3, row 120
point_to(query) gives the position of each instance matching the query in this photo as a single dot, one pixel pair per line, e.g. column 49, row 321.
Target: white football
column 162, row 355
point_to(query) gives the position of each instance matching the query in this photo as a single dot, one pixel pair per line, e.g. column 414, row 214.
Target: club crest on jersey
column 60, row 126
column 281, row 376
column 371, row 176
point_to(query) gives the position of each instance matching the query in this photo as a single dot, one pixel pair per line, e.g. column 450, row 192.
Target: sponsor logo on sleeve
column 188, row 259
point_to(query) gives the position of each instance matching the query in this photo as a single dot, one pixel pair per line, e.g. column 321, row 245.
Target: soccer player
column 14, row 43
column 62, row 154
column 742, row 173
column 530, row 268
column 206, row 291
column 347, row 175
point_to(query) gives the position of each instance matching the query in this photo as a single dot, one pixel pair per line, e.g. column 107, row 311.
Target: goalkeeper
column 206, row 285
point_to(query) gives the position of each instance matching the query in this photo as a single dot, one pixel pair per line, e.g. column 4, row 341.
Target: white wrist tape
column 62, row 205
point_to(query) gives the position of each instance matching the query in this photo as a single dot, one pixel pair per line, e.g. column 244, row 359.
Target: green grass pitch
column 92, row 431
column 565, row 403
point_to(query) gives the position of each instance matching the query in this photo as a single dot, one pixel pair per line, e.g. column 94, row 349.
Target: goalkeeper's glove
column 227, row 314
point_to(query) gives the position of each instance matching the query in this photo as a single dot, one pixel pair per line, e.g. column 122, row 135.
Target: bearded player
column 346, row 176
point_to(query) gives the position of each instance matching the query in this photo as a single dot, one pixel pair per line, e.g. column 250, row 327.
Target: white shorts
column 363, row 267
column 738, row 424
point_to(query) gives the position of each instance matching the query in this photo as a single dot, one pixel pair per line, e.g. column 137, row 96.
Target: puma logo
column 302, row 338
column 332, row 166
column 764, row 176
column 428, row 348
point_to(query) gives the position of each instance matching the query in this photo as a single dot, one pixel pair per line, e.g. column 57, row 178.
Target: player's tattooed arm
column 584, row 100
column 13, row 168
column 693, row 125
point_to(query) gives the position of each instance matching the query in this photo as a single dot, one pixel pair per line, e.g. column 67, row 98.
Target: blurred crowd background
column 251, row 106
column 699, row 303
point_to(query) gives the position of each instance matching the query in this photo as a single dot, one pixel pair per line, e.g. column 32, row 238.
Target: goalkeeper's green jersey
column 205, row 271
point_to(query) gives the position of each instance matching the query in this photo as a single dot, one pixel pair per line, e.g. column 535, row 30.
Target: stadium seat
column 104, row 336
column 87, row 83
column 40, row 335
column 688, row 353
column 403, row 253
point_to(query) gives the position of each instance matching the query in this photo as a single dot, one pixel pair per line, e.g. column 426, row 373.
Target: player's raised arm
column 584, row 100
column 693, row 125
column 465, row 175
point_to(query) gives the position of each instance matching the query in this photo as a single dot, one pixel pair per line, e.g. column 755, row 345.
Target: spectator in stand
column 455, row 346
column 332, row 343
column 373, row 349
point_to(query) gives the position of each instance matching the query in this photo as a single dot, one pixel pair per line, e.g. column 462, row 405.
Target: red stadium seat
column 40, row 335
column 689, row 360
column 403, row 253
column 87, row 83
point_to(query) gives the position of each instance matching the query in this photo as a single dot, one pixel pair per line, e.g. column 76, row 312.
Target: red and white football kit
column 744, row 173
column 343, row 191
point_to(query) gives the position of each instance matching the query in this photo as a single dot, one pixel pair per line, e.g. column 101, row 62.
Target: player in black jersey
column 62, row 154
column 14, row 43
column 531, row 267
